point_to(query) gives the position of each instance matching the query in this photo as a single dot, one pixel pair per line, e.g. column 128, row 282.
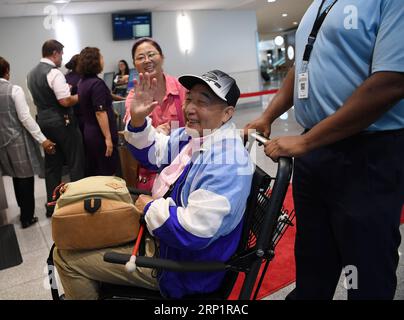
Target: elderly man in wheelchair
column 198, row 202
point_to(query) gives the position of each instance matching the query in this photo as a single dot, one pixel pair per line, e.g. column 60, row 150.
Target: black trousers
column 24, row 194
column 348, row 199
column 69, row 149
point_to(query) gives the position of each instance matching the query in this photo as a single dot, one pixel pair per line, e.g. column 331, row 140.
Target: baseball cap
column 224, row 86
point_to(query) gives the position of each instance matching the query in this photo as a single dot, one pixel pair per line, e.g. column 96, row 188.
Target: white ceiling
column 269, row 15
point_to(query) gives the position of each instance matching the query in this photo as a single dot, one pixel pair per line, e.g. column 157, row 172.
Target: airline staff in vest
column 20, row 136
column 51, row 95
column 347, row 87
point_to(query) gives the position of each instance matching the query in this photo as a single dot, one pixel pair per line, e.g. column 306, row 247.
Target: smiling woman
column 169, row 94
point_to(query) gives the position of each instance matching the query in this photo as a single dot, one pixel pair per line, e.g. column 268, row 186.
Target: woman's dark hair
column 72, row 64
column 50, row 46
column 4, row 67
column 89, row 61
column 143, row 40
column 126, row 67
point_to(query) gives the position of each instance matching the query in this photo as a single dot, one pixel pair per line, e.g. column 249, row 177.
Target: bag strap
column 57, row 192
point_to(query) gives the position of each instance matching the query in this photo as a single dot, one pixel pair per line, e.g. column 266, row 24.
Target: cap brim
column 189, row 80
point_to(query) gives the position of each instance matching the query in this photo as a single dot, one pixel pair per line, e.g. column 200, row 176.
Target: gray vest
column 10, row 125
column 48, row 107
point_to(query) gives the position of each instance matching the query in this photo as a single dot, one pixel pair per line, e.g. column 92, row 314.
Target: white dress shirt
column 57, row 81
column 22, row 108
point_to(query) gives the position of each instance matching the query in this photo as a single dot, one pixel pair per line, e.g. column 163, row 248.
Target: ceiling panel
column 269, row 15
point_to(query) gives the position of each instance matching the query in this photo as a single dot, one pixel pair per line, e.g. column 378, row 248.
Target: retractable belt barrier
column 258, row 93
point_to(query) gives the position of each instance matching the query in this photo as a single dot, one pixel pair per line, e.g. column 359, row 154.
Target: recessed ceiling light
column 279, row 41
column 295, row 23
column 271, row 1
column 291, row 53
column 284, row 14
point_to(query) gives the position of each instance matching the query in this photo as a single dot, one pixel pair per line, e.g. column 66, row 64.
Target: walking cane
column 131, row 264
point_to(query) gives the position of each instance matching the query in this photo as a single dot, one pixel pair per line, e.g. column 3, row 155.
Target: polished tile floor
column 29, row 280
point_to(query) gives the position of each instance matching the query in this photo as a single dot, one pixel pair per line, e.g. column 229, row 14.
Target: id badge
column 303, row 85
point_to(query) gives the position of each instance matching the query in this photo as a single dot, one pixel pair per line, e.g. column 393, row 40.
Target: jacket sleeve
column 148, row 146
column 213, row 209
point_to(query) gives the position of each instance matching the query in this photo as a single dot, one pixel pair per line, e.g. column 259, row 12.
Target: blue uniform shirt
column 357, row 39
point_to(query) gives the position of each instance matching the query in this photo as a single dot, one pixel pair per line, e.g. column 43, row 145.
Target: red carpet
column 281, row 271
column 402, row 216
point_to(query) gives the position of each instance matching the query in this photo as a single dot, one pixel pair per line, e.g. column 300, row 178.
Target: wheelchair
column 265, row 222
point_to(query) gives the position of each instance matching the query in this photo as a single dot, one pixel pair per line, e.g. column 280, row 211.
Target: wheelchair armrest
column 116, row 258
column 135, row 191
column 179, row 266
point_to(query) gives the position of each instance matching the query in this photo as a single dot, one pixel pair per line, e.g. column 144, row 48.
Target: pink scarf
column 171, row 173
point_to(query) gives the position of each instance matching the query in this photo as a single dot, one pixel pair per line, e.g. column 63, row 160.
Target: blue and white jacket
column 201, row 220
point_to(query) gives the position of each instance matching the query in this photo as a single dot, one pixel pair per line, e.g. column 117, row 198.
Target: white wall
column 225, row 40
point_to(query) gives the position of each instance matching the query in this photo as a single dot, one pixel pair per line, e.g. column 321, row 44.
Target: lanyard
column 316, row 28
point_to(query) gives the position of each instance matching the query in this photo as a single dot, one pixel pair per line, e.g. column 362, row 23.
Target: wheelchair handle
column 259, row 137
column 164, row 264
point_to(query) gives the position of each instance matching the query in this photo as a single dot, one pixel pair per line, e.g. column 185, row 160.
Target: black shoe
column 26, row 224
column 49, row 210
column 49, row 213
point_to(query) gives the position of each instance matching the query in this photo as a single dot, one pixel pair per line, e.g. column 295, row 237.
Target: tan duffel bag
column 93, row 213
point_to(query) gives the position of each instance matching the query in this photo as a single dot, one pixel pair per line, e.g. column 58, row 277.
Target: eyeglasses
column 150, row 55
